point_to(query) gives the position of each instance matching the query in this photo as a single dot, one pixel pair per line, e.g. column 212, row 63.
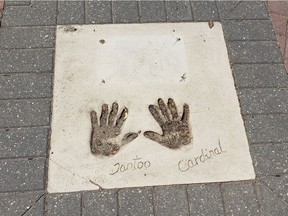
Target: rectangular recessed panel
column 162, row 103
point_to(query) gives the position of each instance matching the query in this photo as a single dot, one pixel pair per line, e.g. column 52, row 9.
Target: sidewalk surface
column 27, row 43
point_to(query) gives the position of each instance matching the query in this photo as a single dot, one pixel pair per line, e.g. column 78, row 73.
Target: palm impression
column 175, row 128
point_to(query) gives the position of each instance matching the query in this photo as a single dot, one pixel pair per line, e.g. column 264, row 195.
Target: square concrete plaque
column 149, row 71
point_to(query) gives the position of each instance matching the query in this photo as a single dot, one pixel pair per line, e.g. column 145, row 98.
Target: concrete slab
column 136, row 66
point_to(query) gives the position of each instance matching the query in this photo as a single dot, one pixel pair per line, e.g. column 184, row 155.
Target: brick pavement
column 26, row 74
column 278, row 11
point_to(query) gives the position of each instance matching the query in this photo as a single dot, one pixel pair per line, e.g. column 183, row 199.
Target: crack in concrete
column 92, row 182
column 261, row 184
column 89, row 180
column 33, row 204
column 232, row 10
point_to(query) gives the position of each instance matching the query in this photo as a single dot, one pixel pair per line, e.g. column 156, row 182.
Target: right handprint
column 176, row 129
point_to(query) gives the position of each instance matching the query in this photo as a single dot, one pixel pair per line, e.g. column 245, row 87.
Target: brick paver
column 98, row 203
column 1, row 9
column 240, row 198
column 270, row 202
column 205, row 199
column 27, row 41
column 136, row 201
column 64, row 204
column 279, row 15
column 71, row 12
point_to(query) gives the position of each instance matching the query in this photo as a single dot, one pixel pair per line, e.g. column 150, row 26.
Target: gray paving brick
column 101, row 202
column 266, row 128
column 37, row 208
column 24, row 113
column 27, row 37
column 15, row 204
column 260, row 75
column 38, row 13
column 278, row 184
column 177, row 11
column 254, row 52
column 64, row 204
column 264, row 100
column 23, row 142
column 135, row 201
column 17, row 3
column 22, row 174
column 70, row 12
column 98, row 12
column 248, row 30
column 125, row 12
column 270, row 159
column 171, row 200
column 240, row 199
column 242, row 10
column 152, row 11
column 205, row 199
column 25, row 85
column 270, row 205
column 26, row 60
column 204, row 10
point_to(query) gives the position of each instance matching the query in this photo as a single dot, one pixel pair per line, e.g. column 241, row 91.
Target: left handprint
column 104, row 136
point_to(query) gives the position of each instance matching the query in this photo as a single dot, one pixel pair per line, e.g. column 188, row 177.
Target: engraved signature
column 206, row 154
column 136, row 164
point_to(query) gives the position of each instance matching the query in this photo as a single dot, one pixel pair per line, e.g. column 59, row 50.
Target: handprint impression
column 176, row 130
column 104, row 136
